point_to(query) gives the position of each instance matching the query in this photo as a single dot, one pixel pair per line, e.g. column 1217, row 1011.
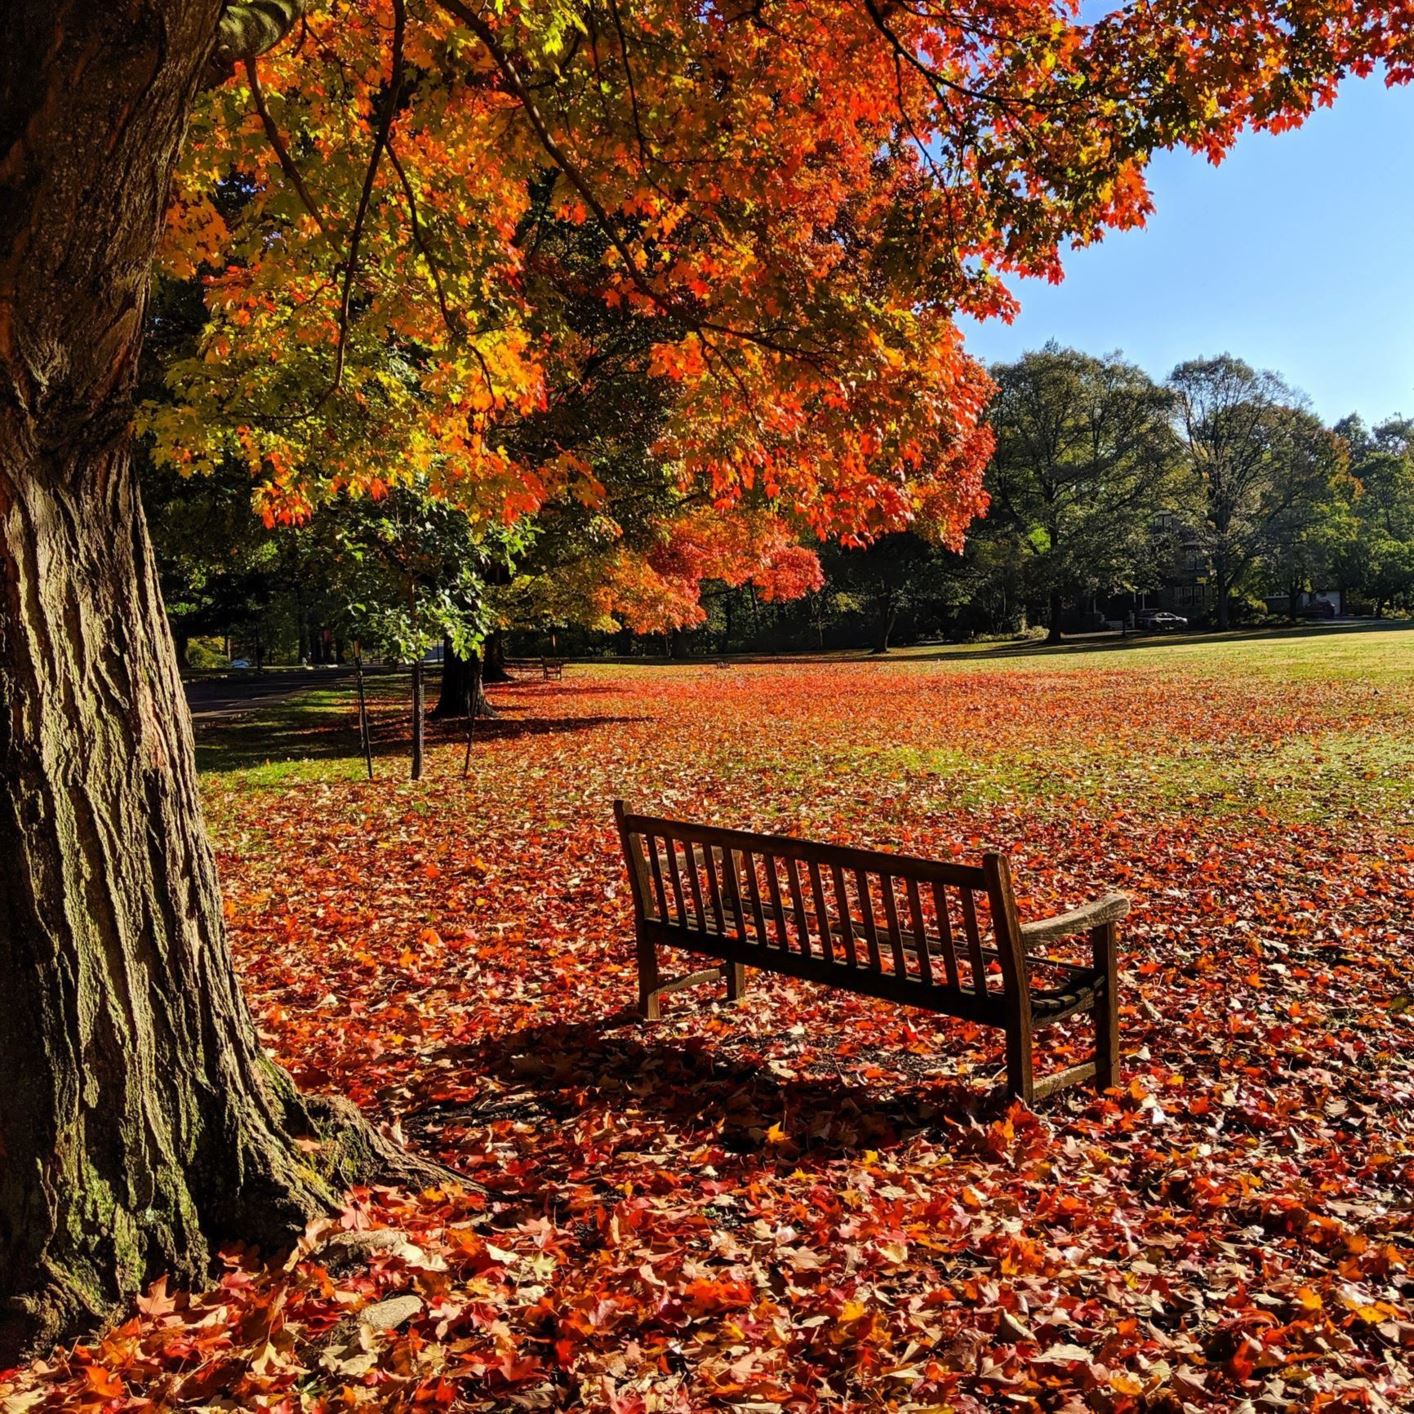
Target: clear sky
column 1296, row 254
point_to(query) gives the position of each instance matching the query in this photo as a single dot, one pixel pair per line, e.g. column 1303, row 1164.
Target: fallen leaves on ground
column 813, row 1200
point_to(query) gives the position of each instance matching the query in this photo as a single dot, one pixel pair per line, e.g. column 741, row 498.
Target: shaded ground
column 813, row 1200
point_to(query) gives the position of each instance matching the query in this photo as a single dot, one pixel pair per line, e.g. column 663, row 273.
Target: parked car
column 1160, row 620
column 1317, row 609
column 240, row 662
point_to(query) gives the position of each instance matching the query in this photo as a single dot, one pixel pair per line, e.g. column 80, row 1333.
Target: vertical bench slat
column 731, row 891
column 659, row 892
column 797, row 902
column 753, row 890
column 886, row 883
column 778, row 912
column 714, row 889
column 675, row 878
column 640, row 868
column 944, row 923
column 974, row 943
column 866, row 916
column 842, row 907
column 694, row 883
column 822, row 916
column 920, row 933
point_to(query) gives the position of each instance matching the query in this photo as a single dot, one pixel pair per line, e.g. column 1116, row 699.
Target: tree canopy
column 421, row 227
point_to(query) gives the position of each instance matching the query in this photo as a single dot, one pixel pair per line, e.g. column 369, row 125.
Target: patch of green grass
column 1318, row 777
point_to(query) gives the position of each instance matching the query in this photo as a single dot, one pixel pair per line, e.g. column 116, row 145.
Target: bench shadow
column 704, row 1094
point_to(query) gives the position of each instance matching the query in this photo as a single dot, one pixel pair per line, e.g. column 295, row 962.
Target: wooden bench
column 944, row 937
column 548, row 667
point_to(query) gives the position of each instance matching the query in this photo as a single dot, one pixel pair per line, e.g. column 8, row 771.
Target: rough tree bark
column 140, row 1122
column 463, row 692
column 493, row 659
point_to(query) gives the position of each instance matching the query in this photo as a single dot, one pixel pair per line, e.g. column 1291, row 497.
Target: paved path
column 240, row 691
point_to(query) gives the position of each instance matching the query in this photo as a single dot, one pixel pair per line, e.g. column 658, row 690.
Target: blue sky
column 1297, row 254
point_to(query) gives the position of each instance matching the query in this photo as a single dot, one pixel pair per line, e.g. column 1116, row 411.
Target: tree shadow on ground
column 534, row 688
column 507, row 728
column 241, row 741
column 756, row 1107
column 979, row 654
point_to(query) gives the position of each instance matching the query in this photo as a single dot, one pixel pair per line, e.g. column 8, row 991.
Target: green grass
column 1309, row 778
column 1375, row 652
column 1310, row 724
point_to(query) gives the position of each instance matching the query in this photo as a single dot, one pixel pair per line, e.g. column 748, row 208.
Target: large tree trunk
column 888, row 617
column 140, row 1122
column 1222, row 582
column 493, row 659
column 463, row 692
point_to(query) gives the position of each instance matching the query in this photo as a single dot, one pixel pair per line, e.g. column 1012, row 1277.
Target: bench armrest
column 1109, row 909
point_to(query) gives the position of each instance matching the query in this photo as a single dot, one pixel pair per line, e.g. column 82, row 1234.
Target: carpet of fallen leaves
column 815, row 1200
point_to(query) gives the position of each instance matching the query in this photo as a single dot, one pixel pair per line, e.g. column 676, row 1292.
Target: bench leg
column 735, row 974
column 1020, row 1081
column 648, row 980
column 1102, row 946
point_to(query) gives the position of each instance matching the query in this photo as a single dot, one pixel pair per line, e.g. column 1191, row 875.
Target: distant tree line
column 1217, row 495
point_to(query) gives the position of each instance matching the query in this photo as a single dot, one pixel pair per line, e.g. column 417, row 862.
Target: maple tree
column 800, row 196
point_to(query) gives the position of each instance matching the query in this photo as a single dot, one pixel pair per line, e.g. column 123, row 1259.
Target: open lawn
column 812, row 1200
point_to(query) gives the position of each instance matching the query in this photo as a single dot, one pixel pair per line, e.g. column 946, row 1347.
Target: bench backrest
column 918, row 930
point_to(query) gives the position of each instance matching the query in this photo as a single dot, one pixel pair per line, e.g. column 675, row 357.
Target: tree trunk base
column 279, row 1189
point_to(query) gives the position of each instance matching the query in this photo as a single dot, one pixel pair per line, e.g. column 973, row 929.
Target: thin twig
column 287, row 163
column 520, row 90
column 455, row 327
column 380, row 142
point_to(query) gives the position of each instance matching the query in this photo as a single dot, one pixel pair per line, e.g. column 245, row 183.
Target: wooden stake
column 365, row 738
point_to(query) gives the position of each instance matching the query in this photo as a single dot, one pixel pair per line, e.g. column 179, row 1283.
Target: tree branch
column 272, row 133
column 380, row 143
column 455, row 326
column 521, row 91
column 247, row 29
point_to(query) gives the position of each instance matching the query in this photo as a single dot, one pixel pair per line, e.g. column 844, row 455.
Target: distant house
column 1183, row 568
column 1319, row 603
column 1181, row 576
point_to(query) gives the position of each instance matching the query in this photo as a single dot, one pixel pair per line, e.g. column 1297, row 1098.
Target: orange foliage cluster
column 662, row 589
column 793, row 200
column 809, row 1201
